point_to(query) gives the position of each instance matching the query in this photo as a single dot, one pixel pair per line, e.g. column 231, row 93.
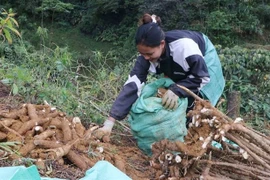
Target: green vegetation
column 76, row 41
column 7, row 25
column 6, row 148
column 80, row 89
column 247, row 71
column 76, row 55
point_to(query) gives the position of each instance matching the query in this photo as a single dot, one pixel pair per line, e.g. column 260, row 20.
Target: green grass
column 71, row 37
column 75, row 40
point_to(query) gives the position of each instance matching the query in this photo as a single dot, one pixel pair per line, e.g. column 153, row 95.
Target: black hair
column 149, row 33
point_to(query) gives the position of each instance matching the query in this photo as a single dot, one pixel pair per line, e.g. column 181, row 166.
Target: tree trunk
column 233, row 104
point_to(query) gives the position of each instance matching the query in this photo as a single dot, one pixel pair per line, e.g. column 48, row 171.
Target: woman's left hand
column 170, row 100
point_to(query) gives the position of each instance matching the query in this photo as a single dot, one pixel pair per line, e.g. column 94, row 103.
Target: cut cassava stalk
column 197, row 98
column 241, row 152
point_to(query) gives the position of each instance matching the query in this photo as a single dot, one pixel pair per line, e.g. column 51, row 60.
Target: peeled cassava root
column 216, row 147
column 45, row 134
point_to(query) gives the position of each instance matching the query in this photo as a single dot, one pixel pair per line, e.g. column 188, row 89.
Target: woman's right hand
column 104, row 132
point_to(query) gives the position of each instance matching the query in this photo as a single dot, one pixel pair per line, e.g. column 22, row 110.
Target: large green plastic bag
column 150, row 122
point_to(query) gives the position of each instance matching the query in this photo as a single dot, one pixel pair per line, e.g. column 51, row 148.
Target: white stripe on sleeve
column 138, row 83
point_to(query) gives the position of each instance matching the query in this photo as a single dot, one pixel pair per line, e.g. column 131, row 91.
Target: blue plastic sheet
column 104, row 170
column 100, row 171
column 19, row 173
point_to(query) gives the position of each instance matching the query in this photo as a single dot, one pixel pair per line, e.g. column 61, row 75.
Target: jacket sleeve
column 131, row 89
column 188, row 55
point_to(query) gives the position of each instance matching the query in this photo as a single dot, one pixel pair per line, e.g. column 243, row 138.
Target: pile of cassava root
column 243, row 153
column 42, row 133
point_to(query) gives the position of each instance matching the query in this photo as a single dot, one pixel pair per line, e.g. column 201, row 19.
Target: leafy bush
column 7, row 23
column 219, row 27
column 54, row 9
column 263, row 11
column 247, row 71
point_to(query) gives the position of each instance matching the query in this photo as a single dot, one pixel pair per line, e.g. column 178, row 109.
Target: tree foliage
column 7, row 24
column 247, row 71
column 226, row 22
column 51, row 7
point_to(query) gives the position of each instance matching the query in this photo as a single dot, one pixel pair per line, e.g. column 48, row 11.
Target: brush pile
column 243, row 152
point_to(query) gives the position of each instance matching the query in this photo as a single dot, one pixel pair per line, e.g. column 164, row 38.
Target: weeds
column 86, row 89
column 7, row 148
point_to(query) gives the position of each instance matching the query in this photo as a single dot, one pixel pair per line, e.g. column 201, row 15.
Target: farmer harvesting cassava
column 188, row 58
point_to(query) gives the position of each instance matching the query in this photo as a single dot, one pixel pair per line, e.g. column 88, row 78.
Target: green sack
column 151, row 123
column 214, row 89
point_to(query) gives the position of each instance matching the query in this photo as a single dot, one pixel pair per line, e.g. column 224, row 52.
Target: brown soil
column 4, row 90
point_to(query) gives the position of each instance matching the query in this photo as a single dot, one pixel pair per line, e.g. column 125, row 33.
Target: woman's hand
column 170, row 100
column 104, row 132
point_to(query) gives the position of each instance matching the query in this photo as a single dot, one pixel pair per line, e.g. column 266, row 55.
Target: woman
column 187, row 57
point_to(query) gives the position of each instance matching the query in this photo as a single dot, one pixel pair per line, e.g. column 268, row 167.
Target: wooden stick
column 200, row 99
column 238, row 166
column 255, row 156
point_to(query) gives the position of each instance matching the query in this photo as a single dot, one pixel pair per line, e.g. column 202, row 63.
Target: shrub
column 247, row 71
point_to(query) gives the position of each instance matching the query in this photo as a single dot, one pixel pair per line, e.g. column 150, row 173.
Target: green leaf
column 59, row 66
column 15, row 89
column 14, row 21
column 8, row 23
column 14, row 30
column 7, row 146
column 6, row 81
column 7, row 36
